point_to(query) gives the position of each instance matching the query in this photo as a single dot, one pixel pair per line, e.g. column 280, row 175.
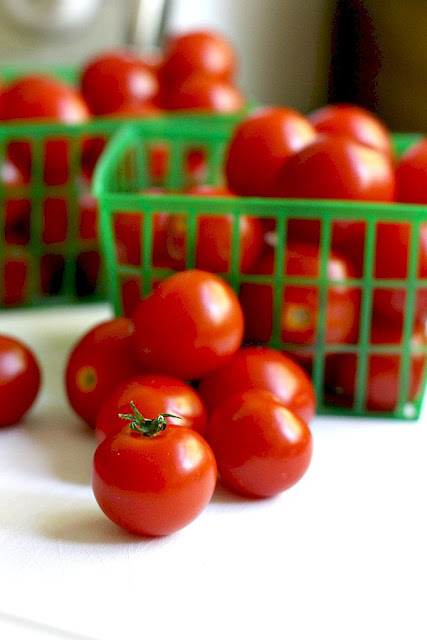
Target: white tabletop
column 341, row 555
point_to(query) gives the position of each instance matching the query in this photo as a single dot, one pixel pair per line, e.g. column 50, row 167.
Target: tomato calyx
column 146, row 426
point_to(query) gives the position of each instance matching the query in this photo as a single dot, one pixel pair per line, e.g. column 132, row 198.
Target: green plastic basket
column 47, row 264
column 121, row 183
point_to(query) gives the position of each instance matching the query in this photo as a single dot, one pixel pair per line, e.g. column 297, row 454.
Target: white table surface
column 341, row 555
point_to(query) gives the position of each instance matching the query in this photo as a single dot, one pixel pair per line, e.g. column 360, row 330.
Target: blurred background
column 302, row 54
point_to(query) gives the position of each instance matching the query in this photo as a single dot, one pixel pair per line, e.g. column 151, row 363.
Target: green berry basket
column 361, row 335
column 49, row 245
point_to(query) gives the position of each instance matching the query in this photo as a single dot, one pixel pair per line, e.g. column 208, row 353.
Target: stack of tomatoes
column 174, row 397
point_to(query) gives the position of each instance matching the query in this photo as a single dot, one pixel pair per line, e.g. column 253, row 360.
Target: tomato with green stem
column 152, row 478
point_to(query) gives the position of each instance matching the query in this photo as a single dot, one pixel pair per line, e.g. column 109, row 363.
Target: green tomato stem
column 145, row 426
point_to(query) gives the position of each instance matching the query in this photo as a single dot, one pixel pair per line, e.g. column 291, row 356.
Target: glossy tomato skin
column 20, row 379
column 197, row 52
column 152, row 394
column 153, row 486
column 411, row 174
column 188, row 326
column 117, row 80
column 259, row 146
column 337, row 167
column 261, row 368
column 383, row 370
column 355, row 122
column 261, row 448
column 98, row 362
column 202, row 93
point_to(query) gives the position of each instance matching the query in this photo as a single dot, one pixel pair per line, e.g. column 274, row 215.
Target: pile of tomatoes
column 174, row 398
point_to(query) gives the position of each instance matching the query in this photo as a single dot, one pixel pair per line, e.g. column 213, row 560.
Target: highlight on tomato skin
column 261, row 447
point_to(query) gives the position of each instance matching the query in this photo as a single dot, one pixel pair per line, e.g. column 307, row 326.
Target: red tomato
column 152, row 394
column 411, row 174
column 188, row 326
column 300, row 303
column 202, row 93
column 213, row 242
column 88, row 223
column 261, row 368
column 98, row 362
column 382, row 382
column 337, row 167
column 20, row 379
column 261, row 448
column 153, row 485
column 37, row 97
column 356, row 123
column 88, row 264
column 118, row 79
column 259, row 146
column 197, row 52
column 17, row 210
column 14, row 283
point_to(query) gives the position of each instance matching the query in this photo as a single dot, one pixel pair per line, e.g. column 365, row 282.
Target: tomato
column 98, row 362
column 261, row 447
column 411, row 174
column 88, row 222
column 153, row 485
column 337, row 167
column 261, row 368
column 14, row 283
column 87, row 273
column 188, row 326
column 259, row 146
column 37, row 97
column 214, row 241
column 20, row 379
column 202, row 93
column 118, row 80
column 383, row 370
column 298, row 321
column 153, row 394
column 194, row 52
column 355, row 122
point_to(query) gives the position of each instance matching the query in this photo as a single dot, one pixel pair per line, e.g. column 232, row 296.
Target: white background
column 341, row 555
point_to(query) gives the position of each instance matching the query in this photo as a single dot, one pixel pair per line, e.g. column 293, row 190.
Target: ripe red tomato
column 37, row 97
column 355, row 122
column 188, row 326
column 14, row 282
column 214, row 241
column 259, row 146
column 152, row 394
column 118, row 79
column 98, row 362
column 203, row 93
column 261, row 448
column 20, row 379
column 261, row 368
column 337, row 167
column 411, row 174
column 382, row 383
column 300, row 303
column 193, row 52
column 153, row 485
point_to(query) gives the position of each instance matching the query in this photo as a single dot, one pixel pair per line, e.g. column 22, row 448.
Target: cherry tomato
column 14, row 283
column 153, row 485
column 37, row 97
column 214, row 241
column 300, row 303
column 355, row 122
column 259, row 146
column 261, row 368
column 99, row 361
column 152, row 394
column 188, row 326
column 17, row 210
column 202, row 93
column 194, row 52
column 261, row 448
column 411, row 174
column 20, row 379
column 337, row 167
column 118, row 80
column 382, row 382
